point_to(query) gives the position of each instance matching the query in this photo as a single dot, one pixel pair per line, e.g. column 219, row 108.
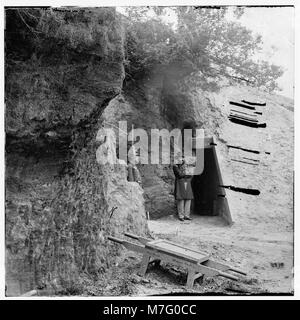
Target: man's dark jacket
column 183, row 188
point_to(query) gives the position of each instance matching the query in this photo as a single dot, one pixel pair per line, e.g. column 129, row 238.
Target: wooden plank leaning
column 139, row 238
column 196, row 263
column 128, row 245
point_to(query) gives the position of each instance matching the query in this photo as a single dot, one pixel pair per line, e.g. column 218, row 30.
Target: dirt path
column 265, row 256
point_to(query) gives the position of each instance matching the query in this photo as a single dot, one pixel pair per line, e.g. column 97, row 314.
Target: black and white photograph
column 149, row 150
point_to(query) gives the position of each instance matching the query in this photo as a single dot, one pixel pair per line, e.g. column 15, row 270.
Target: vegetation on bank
column 208, row 44
column 212, row 46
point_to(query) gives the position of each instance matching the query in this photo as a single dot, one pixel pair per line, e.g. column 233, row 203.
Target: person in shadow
column 183, row 190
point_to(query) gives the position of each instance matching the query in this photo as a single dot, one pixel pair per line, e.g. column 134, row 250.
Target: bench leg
column 144, row 264
column 190, row 279
column 199, row 276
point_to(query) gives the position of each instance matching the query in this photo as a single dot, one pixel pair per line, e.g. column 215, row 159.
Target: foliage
column 148, row 43
column 44, row 32
column 204, row 39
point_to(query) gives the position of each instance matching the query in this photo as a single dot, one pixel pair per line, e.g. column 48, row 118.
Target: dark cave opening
column 209, row 197
column 205, row 186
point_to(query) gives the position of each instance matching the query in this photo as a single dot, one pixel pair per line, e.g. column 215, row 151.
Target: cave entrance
column 209, row 198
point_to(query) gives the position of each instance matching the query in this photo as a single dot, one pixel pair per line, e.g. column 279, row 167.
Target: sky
column 276, row 26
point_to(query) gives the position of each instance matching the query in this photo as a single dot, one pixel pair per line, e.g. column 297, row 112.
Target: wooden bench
column 196, row 263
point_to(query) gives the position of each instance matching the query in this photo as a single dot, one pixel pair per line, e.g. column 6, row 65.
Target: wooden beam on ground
column 242, row 117
column 248, row 114
column 255, row 103
column 254, row 164
column 128, row 245
column 139, row 238
column 241, row 105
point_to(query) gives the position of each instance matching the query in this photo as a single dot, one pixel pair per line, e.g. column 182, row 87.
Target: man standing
column 183, row 190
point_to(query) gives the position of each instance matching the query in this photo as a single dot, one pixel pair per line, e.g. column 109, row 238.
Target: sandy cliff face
column 76, row 65
column 153, row 104
column 160, row 101
column 58, row 199
column 273, row 174
column 60, row 202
